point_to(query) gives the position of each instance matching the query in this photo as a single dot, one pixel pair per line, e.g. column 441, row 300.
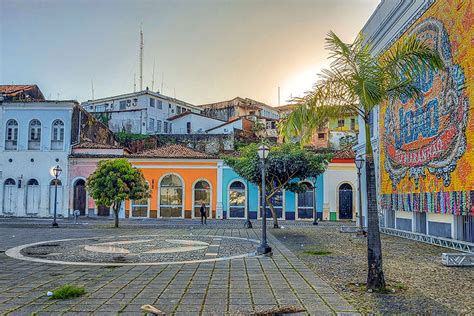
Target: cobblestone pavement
column 243, row 285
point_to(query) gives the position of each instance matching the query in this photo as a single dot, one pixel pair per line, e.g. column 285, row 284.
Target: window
column 277, row 201
column 165, row 127
column 159, row 104
column 321, row 135
column 158, row 126
column 306, row 202
column 340, row 123
column 11, row 140
column 237, row 200
column 178, row 110
column 34, row 135
column 139, row 208
column 171, row 196
column 151, row 125
column 123, row 105
column 188, row 127
column 170, row 128
column 353, row 124
column 202, row 194
column 57, row 135
column 152, row 102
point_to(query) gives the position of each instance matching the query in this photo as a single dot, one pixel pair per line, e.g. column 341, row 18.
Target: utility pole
column 134, row 82
column 162, row 78
column 278, row 96
column 92, row 87
column 141, row 58
column 153, row 78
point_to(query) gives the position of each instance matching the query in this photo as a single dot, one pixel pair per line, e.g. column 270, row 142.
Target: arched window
column 9, row 196
column 306, row 202
column 32, row 196
column 277, row 202
column 202, row 194
column 57, row 135
column 171, row 196
column 11, row 135
column 59, row 199
column 34, row 135
column 237, row 200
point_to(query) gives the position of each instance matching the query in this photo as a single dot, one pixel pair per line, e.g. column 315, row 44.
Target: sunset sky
column 206, row 50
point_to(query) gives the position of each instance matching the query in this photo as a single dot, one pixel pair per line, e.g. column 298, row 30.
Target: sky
column 204, row 51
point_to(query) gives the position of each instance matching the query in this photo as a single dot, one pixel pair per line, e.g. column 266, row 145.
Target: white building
column 193, row 123
column 34, row 138
column 142, row 112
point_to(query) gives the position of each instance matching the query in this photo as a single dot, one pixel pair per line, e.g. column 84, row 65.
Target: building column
column 219, row 214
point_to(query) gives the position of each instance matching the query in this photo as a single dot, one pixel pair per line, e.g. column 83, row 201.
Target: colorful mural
column 427, row 153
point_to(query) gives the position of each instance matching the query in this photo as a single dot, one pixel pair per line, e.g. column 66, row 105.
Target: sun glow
column 300, row 82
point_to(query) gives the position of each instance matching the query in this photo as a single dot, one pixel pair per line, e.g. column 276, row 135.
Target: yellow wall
column 407, row 154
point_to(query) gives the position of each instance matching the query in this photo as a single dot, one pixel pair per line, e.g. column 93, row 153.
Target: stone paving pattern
column 237, row 286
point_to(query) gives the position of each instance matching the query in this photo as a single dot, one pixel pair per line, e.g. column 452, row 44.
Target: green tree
column 114, row 181
column 285, row 164
column 356, row 83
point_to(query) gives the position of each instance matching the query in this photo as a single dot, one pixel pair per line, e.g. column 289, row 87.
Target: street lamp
column 248, row 223
column 263, row 248
column 56, row 172
column 315, row 214
column 359, row 162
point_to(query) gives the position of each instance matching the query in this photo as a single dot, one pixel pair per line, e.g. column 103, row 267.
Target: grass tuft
column 317, row 252
column 67, row 291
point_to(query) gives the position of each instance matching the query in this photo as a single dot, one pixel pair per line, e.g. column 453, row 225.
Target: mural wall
column 427, row 144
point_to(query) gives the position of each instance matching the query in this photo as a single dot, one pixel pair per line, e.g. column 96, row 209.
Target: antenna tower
column 141, row 58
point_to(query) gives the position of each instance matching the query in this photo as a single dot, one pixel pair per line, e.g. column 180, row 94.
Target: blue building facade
column 241, row 198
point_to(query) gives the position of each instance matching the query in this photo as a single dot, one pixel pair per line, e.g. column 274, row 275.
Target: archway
column 59, row 200
column 171, row 196
column 79, row 202
column 9, row 196
column 202, row 194
column 345, row 201
column 237, row 199
column 32, row 196
column 305, row 202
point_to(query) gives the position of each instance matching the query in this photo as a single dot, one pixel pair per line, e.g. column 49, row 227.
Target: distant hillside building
column 336, row 133
column 248, row 108
column 142, row 112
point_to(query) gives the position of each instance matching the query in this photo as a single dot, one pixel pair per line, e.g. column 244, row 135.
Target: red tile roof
column 345, row 153
column 17, row 90
column 173, row 151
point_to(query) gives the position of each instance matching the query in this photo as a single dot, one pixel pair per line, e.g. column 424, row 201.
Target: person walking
column 203, row 214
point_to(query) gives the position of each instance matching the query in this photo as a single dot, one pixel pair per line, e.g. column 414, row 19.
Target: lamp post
column 264, row 248
column 248, row 223
column 315, row 214
column 359, row 162
column 56, row 172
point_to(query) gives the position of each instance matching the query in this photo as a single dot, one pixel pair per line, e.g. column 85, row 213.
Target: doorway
column 345, row 201
column 79, row 202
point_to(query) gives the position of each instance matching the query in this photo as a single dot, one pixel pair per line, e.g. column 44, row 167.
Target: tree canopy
column 285, row 165
column 115, row 181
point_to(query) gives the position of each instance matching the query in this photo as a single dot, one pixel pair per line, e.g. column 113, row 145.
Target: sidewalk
column 233, row 286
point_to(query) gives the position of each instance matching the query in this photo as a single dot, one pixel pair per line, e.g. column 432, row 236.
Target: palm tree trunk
column 375, row 276
column 274, row 215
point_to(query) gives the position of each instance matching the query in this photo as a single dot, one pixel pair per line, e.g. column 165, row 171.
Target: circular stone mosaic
column 136, row 250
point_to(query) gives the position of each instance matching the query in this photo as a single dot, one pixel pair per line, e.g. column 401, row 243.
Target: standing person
column 203, row 214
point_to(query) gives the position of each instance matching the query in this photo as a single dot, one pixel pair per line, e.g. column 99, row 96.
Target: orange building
column 180, row 179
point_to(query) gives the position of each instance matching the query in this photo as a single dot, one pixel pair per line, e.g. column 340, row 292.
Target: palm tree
column 355, row 83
